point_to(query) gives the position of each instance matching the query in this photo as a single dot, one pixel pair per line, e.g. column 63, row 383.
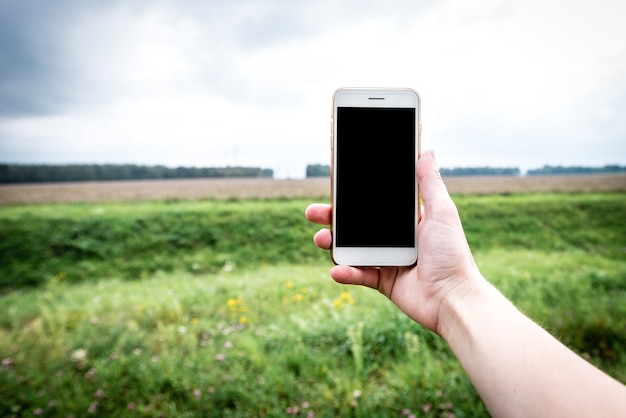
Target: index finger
column 318, row 213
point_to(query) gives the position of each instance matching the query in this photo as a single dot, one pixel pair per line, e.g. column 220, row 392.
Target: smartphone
column 375, row 145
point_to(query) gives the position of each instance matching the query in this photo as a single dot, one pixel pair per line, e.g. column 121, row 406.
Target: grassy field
column 225, row 308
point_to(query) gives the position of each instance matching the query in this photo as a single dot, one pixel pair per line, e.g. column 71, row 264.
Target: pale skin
column 518, row 369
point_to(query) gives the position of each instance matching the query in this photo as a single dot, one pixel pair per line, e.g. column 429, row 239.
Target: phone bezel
column 383, row 97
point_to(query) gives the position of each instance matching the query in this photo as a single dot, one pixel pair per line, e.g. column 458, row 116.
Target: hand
column 444, row 264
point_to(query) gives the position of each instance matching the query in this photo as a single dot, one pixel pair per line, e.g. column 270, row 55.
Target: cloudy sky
column 249, row 82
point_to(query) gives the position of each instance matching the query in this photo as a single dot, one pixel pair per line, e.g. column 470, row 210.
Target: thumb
column 432, row 189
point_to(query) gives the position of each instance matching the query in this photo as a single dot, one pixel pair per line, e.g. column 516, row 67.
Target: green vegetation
column 589, row 223
column 226, row 309
column 86, row 242
column 134, row 240
column 547, row 170
column 24, row 173
column 317, row 170
column 480, row 171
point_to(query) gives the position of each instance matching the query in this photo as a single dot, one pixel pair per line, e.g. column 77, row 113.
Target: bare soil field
column 314, row 188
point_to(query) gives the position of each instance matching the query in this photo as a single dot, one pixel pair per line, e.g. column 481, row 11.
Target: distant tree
column 480, row 171
column 18, row 173
column 547, row 170
column 317, row 170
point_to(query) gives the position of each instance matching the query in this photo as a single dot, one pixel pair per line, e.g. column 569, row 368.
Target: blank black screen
column 375, row 199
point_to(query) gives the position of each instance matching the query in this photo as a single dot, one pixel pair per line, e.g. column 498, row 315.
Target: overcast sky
column 249, row 82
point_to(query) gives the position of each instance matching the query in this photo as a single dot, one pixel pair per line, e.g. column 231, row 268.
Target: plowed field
column 315, row 188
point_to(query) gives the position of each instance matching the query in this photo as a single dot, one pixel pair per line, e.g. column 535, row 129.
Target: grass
column 578, row 297
column 84, row 242
column 231, row 344
column 120, row 322
column 593, row 223
column 88, row 242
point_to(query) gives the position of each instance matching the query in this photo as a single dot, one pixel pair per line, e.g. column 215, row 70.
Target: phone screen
column 375, row 178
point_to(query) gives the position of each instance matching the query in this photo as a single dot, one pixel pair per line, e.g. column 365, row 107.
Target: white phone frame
column 374, row 97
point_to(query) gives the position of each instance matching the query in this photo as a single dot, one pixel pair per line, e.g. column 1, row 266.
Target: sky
column 212, row 83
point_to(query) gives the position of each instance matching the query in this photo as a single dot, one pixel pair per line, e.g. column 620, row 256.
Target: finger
column 357, row 276
column 432, row 188
column 318, row 213
column 323, row 239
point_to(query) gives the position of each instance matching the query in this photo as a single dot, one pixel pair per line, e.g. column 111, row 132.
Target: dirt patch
column 539, row 184
column 193, row 189
column 315, row 188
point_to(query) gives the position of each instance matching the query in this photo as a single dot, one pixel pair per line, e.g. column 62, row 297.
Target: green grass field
column 226, row 308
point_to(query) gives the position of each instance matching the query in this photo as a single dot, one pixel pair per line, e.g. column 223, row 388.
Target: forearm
column 517, row 367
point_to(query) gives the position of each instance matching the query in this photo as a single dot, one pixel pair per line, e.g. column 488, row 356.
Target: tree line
column 22, row 173
column 480, row 171
column 556, row 170
column 40, row 173
column 317, row 170
column 321, row 170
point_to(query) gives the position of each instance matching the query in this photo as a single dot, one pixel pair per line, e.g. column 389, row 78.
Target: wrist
column 458, row 304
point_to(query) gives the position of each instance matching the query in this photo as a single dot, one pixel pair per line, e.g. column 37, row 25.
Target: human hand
column 444, row 263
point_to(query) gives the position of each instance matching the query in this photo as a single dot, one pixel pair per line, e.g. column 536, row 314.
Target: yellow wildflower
column 344, row 298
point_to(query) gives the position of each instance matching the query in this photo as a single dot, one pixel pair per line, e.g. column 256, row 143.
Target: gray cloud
column 56, row 55
column 33, row 71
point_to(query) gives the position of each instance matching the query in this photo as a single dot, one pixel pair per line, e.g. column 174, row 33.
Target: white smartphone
column 375, row 146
